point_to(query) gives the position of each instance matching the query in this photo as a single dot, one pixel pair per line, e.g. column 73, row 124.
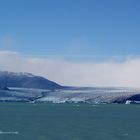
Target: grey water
column 25, row 121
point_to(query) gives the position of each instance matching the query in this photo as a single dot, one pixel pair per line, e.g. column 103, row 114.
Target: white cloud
column 108, row 73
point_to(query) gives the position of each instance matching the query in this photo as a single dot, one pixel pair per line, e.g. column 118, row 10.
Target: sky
column 73, row 42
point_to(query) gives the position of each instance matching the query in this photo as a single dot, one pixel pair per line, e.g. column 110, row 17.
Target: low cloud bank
column 106, row 73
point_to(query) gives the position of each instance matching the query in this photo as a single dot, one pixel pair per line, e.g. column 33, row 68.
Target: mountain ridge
column 26, row 87
column 26, row 80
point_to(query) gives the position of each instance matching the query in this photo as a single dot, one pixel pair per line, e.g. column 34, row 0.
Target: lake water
column 24, row 121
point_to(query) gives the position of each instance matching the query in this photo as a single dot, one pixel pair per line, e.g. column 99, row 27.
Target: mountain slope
column 26, row 80
column 25, row 87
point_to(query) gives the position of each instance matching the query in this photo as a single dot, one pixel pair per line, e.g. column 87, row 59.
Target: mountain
column 26, row 87
column 26, row 80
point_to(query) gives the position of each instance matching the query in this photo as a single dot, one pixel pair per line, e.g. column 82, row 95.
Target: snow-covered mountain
column 25, row 87
column 26, row 80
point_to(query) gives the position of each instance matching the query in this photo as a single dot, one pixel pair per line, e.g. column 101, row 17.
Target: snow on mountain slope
column 28, row 87
column 26, row 80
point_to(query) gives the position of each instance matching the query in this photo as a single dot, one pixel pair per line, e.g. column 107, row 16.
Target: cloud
column 103, row 73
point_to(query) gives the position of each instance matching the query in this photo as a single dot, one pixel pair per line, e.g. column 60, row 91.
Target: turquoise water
column 69, row 122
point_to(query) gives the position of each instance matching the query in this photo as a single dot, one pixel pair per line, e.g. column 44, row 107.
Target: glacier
column 92, row 95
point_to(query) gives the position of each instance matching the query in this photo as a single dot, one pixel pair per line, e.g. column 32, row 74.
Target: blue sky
column 74, row 30
column 70, row 27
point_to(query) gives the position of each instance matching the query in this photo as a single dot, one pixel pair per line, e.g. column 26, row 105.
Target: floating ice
column 9, row 132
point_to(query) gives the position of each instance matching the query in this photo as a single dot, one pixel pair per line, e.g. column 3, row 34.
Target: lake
column 24, row 121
